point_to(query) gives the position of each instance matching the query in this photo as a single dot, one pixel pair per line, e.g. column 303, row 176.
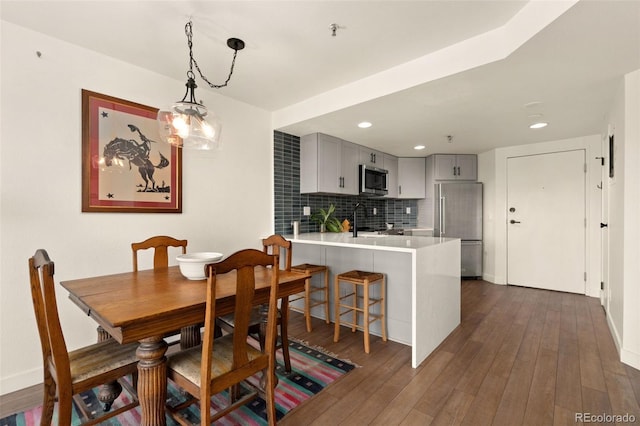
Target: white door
column 546, row 221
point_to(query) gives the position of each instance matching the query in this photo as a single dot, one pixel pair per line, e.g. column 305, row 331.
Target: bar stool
column 363, row 279
column 309, row 289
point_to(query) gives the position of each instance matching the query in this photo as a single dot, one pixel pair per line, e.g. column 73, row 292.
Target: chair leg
column 284, row 333
column 49, row 399
column 326, row 296
column 354, row 311
column 307, row 303
column 365, row 307
column 65, row 405
column 336, row 309
column 383, row 317
column 270, row 398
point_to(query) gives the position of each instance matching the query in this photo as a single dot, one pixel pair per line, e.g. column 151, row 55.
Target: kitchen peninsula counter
column 423, row 281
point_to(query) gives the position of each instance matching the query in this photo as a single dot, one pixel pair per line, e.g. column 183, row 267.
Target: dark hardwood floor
column 520, row 356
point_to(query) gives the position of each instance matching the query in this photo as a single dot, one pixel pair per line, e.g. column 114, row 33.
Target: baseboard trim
column 21, row 400
column 630, row 358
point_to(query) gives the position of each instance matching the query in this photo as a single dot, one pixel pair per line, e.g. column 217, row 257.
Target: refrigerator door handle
column 443, row 220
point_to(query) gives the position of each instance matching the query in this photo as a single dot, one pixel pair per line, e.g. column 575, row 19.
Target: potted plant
column 326, row 220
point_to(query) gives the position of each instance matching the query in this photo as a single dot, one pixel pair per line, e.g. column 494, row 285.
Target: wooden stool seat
column 309, row 290
column 349, row 301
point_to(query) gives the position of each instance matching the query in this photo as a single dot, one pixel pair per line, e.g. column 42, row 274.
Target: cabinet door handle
column 399, row 189
column 374, row 158
column 458, row 170
column 454, row 170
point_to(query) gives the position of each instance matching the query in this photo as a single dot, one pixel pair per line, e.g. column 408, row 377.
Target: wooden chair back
column 275, row 244
column 54, row 348
column 160, row 244
column 244, row 262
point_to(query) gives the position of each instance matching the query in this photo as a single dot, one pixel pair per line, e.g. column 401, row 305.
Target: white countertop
column 366, row 240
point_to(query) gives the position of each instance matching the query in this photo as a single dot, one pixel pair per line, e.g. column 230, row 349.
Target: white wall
column 624, row 221
column 630, row 353
column 227, row 195
column 492, row 170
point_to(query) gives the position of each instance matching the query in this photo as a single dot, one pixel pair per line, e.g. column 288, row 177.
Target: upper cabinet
column 411, row 177
column 455, row 167
column 371, row 157
column 328, row 164
column 391, row 165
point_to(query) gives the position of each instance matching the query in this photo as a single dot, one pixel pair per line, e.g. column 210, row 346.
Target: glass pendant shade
column 189, row 125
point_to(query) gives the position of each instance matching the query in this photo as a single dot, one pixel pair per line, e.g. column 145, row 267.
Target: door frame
column 493, row 172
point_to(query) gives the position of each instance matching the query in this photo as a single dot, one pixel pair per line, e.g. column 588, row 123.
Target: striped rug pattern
column 312, row 370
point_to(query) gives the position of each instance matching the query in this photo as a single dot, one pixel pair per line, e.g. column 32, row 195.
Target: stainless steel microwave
column 373, row 181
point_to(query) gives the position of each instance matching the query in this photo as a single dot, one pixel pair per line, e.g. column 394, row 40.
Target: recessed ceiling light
column 538, row 125
column 419, row 147
column 364, row 125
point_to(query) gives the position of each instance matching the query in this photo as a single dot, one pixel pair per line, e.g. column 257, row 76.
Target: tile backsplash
column 289, row 202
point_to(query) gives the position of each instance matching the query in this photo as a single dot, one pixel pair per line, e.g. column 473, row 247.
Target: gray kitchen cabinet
column 371, row 157
column 328, row 165
column 411, row 177
column 391, row 165
column 455, row 167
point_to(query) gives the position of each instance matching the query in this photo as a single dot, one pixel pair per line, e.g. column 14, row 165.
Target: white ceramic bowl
column 192, row 264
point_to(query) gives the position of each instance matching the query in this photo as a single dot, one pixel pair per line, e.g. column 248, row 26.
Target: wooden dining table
column 143, row 306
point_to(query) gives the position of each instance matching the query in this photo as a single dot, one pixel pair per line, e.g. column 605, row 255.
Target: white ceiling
column 419, row 70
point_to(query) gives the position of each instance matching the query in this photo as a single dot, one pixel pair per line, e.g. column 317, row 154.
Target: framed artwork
column 125, row 166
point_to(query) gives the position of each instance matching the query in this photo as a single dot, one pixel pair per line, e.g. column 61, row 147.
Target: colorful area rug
column 312, row 370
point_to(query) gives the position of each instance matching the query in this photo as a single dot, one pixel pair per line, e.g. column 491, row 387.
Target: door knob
column 514, row 221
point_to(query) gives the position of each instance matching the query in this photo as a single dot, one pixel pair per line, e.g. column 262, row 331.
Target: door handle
column 514, row 221
column 443, row 227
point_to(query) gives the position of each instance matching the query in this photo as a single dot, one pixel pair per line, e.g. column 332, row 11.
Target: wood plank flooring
column 520, row 356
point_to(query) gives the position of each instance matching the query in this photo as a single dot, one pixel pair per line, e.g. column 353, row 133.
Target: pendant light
column 188, row 123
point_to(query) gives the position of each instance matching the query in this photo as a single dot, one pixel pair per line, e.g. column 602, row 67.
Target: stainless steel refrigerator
column 458, row 214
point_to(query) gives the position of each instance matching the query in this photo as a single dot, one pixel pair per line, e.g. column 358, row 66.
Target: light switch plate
column 306, row 211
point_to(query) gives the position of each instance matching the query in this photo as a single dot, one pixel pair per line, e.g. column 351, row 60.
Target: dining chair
column 225, row 362
column 189, row 336
column 274, row 244
column 67, row 374
column 160, row 244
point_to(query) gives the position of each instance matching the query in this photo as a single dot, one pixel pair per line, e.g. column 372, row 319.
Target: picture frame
column 126, row 168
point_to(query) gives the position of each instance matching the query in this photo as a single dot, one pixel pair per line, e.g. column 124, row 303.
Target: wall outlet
column 408, row 210
column 306, row 211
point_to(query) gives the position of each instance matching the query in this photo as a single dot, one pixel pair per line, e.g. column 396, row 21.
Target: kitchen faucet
column 355, row 220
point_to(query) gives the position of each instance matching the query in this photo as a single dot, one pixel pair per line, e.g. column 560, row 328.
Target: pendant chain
column 193, row 62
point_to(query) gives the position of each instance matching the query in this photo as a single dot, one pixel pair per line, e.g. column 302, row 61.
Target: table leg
column 190, row 336
column 152, row 380
column 108, row 392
